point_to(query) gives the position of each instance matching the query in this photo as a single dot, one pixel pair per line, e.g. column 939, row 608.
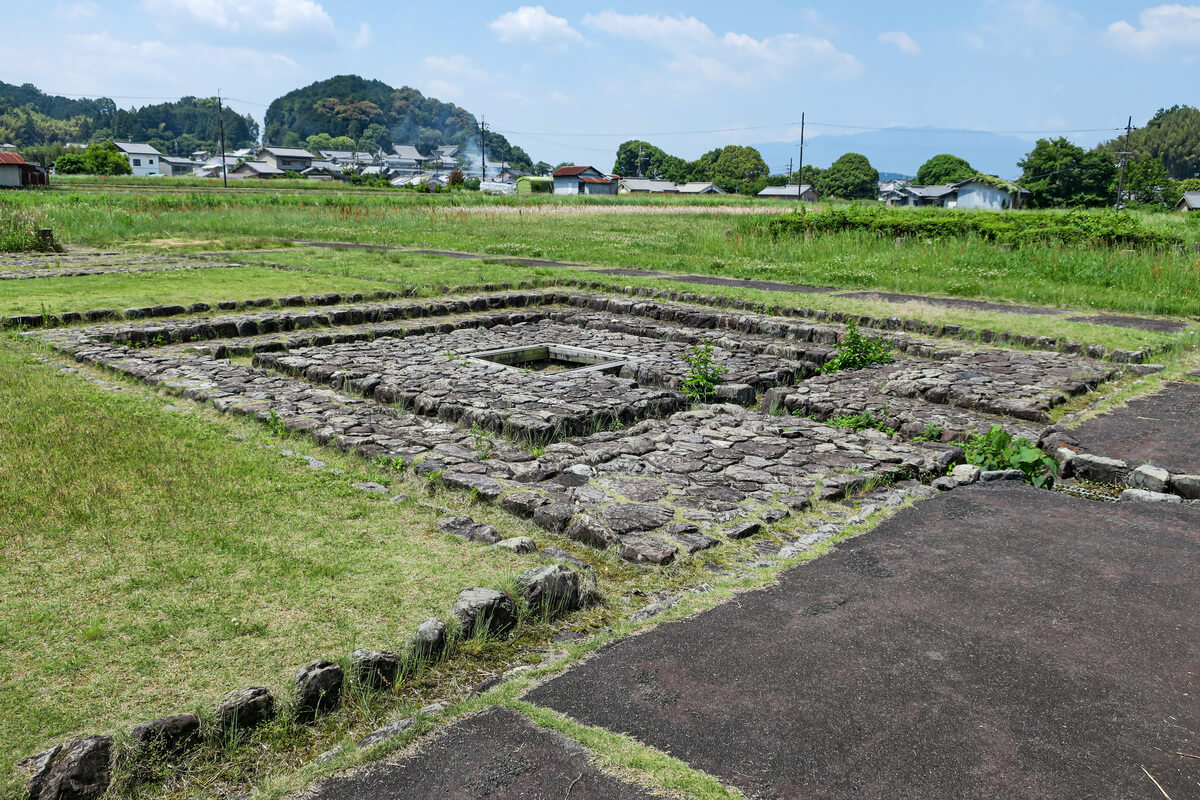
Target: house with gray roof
column 1189, row 202
column 985, row 192
column 646, row 186
column 699, row 187
column 143, row 158
column 285, row 159
column 803, row 193
column 256, row 169
column 177, row 167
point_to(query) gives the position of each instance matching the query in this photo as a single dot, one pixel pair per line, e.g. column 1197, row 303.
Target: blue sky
column 569, row 81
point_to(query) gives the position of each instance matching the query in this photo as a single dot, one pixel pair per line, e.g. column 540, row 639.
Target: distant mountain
column 896, row 176
column 375, row 114
column 904, row 150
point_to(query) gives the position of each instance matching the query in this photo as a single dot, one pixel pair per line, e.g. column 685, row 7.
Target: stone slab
column 1159, row 429
column 496, row 754
column 992, row 642
column 1139, row 323
column 748, row 283
column 954, row 302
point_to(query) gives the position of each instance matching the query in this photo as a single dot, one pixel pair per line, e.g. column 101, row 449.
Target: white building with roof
column 285, row 159
column 143, row 158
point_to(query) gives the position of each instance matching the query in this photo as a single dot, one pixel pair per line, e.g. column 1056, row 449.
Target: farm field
column 166, row 552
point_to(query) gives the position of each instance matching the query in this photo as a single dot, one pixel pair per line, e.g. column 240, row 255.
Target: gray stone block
column 1143, row 496
column 484, row 611
column 429, row 640
column 552, row 589
column 1186, row 485
column 374, row 669
column 318, row 689
column 1100, row 469
column 1150, row 478
column 168, row 734
column 246, row 708
column 647, row 550
column 80, row 769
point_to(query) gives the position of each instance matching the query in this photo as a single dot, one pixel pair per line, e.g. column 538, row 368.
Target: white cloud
column 670, row 33
column 444, row 89
column 362, row 38
column 1163, row 28
column 99, row 64
column 533, row 24
column 458, row 66
column 77, row 11
column 901, row 40
column 699, row 57
column 274, row 16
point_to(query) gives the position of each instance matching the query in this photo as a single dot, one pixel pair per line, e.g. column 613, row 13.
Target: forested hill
column 372, row 113
column 29, row 117
column 1172, row 135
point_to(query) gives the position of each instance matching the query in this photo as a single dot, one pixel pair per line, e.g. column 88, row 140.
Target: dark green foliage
column 1147, row 183
column 734, row 168
column 1061, row 174
column 371, row 112
column 851, row 177
column 944, row 168
column 655, row 163
column 703, row 374
column 996, row 449
column 858, row 351
column 97, row 159
column 1019, row 228
column 28, row 117
column 1172, row 136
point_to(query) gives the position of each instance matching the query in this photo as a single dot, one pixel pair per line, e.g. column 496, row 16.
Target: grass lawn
column 122, row 290
column 152, row 562
column 1143, row 281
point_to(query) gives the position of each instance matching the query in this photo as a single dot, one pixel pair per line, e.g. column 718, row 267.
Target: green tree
column 741, row 165
column 1147, row 183
column 944, row 168
column 97, row 159
column 542, row 168
column 850, row 177
column 1059, row 173
column 1172, row 135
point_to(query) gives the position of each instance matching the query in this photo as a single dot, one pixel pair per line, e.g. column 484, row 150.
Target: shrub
column 703, row 375
column 19, row 232
column 859, row 351
column 863, row 421
column 1108, row 229
column 996, row 449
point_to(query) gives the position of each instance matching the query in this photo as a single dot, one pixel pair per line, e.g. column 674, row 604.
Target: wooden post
column 46, row 237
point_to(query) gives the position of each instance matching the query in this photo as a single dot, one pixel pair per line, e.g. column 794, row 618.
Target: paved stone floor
column 991, row 642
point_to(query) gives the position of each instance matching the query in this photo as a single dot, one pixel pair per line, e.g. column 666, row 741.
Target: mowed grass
column 1083, row 277
column 151, row 562
column 182, row 287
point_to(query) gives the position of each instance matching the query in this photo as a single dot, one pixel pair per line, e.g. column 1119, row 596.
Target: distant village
column 404, row 166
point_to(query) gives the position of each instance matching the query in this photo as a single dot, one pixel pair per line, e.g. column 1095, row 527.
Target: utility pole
column 221, row 123
column 483, row 148
column 1124, row 154
column 800, row 169
column 789, row 172
column 639, row 167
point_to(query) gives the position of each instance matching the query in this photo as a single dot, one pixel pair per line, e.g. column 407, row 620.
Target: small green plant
column 275, row 423
column 932, row 433
column 859, row 351
column 862, row 421
column 485, row 442
column 997, row 449
column 703, row 373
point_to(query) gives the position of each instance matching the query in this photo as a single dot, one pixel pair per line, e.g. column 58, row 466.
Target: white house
column 583, row 180
column 143, row 158
column 990, row 193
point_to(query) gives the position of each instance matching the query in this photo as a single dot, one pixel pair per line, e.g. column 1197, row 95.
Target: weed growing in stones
column 997, row 449
column 275, row 423
column 859, row 351
column 862, row 421
column 932, row 433
column 485, row 442
column 703, row 373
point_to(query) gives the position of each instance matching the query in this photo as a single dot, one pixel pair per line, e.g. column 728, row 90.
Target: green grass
column 123, row 290
column 152, row 562
column 1143, row 281
column 429, row 273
